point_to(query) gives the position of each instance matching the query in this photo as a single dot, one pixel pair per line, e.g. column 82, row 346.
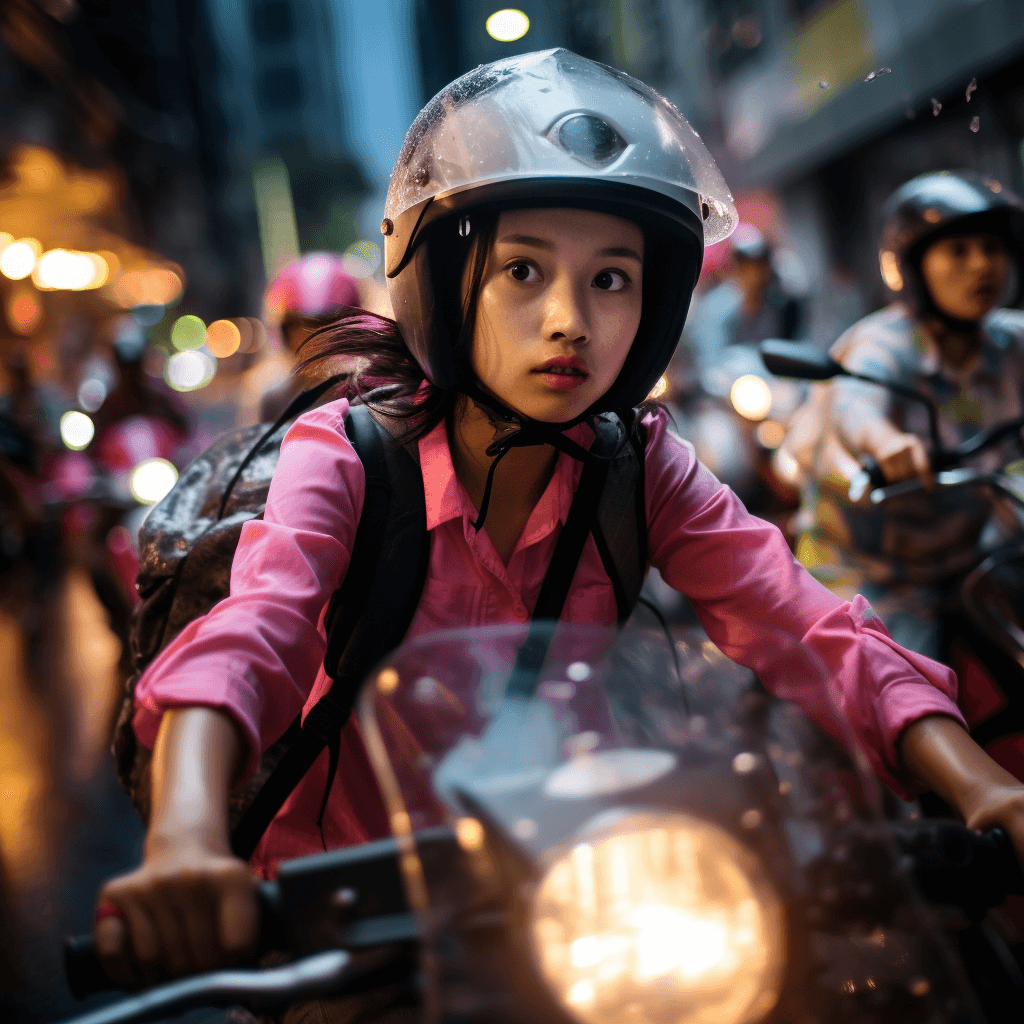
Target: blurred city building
column 815, row 109
column 832, row 104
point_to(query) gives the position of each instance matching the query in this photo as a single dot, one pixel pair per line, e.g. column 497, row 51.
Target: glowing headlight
column 151, row 480
column 751, row 397
column 664, row 918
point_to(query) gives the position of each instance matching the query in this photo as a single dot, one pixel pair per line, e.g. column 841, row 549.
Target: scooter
column 983, row 633
column 591, row 827
column 734, row 414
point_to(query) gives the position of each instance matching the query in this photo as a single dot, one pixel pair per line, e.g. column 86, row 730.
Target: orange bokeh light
column 223, row 338
column 156, row 287
column 24, row 312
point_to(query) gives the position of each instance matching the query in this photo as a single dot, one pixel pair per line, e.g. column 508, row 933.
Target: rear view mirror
column 798, row 359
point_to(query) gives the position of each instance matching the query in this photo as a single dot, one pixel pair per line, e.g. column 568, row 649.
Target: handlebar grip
column 953, row 865
column 868, row 479
column 84, row 971
column 874, row 471
column 1009, row 866
column 82, row 967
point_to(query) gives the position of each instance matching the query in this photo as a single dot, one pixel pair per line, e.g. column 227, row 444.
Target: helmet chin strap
column 514, row 430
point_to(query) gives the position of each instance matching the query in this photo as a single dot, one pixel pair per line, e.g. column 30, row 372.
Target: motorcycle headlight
column 664, row 918
column 751, row 397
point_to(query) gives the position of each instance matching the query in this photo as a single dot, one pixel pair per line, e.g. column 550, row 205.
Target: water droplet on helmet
column 936, row 107
column 705, row 210
column 386, row 226
column 421, row 177
column 975, row 123
column 877, row 74
column 464, row 227
column 823, row 84
column 972, row 85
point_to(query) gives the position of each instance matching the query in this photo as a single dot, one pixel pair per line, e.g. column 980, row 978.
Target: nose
column 565, row 317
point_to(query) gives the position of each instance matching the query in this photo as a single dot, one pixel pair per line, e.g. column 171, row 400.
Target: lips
column 563, row 373
column 567, row 366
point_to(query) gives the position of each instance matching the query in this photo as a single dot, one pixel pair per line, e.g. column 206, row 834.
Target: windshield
column 644, row 815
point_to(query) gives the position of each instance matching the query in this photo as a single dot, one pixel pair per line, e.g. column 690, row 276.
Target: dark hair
column 370, row 348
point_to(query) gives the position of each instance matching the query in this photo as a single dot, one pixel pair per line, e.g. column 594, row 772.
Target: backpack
column 188, row 540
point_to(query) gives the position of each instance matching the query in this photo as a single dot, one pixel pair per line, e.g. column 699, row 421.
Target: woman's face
column 966, row 275
column 558, row 308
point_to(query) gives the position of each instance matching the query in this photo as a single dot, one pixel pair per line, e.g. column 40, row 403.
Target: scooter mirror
column 798, row 359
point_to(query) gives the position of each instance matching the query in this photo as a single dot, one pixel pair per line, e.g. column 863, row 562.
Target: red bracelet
column 109, row 910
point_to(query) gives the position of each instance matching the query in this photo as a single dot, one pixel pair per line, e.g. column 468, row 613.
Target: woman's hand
column 187, row 909
column 1002, row 806
column 191, row 905
column 940, row 753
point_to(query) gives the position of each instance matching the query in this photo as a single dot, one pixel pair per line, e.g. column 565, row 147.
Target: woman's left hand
column 1003, row 806
column 940, row 753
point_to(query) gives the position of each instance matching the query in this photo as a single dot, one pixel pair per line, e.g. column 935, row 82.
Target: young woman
column 545, row 227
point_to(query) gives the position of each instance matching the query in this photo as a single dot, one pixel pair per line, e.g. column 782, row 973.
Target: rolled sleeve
column 256, row 654
column 747, row 590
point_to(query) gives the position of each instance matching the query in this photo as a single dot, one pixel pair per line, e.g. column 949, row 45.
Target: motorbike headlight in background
column 151, row 479
column 76, row 430
column 661, row 918
column 751, row 397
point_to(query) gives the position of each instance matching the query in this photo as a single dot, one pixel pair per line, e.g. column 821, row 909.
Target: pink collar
column 446, row 498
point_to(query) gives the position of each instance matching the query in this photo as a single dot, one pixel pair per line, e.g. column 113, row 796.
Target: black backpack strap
column 600, row 507
column 620, row 530
column 299, row 404
column 367, row 616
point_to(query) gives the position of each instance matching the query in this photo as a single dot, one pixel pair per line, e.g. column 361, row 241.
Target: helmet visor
column 552, row 115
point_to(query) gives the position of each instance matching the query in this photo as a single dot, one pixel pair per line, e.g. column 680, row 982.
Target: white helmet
column 549, row 129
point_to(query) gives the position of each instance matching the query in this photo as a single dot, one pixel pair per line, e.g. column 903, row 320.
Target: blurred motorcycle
column 735, row 414
column 101, row 494
column 591, row 827
column 983, row 631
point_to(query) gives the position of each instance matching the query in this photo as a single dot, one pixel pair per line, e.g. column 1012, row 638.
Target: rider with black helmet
column 952, row 251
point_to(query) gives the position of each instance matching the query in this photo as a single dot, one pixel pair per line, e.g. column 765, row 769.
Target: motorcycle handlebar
column 958, row 867
column 86, row 975
column 947, row 478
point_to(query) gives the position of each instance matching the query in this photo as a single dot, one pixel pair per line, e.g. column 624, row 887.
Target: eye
column 610, row 281
column 523, row 271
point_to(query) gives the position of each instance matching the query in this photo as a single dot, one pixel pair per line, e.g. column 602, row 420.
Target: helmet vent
column 590, row 139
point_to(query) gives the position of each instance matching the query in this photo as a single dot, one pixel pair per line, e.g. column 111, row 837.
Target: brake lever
column 318, row 975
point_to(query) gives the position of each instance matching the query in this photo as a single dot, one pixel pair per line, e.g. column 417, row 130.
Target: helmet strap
column 513, row 430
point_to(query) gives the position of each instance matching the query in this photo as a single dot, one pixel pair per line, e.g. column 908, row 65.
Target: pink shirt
column 258, row 654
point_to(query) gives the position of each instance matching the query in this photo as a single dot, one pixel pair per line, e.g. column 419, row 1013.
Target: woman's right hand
column 191, row 905
column 188, row 908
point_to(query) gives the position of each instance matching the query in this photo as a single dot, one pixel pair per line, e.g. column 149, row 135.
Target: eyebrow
column 543, row 243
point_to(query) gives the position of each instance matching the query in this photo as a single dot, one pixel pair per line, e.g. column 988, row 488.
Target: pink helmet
column 316, row 286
